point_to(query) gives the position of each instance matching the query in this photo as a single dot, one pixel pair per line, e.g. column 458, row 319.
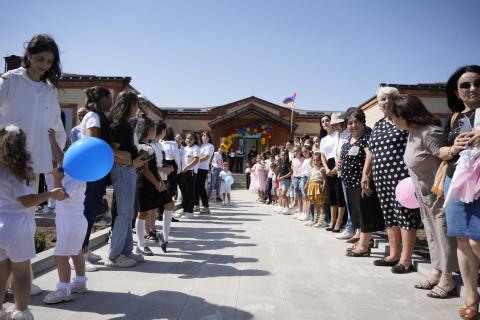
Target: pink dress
column 258, row 178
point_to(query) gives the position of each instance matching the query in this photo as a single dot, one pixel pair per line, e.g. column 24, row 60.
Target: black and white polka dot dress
column 387, row 144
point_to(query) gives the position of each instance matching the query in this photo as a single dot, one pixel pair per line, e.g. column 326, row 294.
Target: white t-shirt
column 73, row 205
column 158, row 148
column 188, row 154
column 340, row 141
column 327, row 145
column 172, row 153
column 206, row 149
column 217, row 161
column 305, row 167
column 91, row 120
column 12, row 188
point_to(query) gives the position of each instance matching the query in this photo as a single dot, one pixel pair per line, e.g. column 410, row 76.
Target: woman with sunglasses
column 463, row 219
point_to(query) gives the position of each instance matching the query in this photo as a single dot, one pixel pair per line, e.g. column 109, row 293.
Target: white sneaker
column 79, row 285
column 345, row 235
column 302, row 217
column 137, row 257
column 308, row 223
column 121, row 262
column 295, row 215
column 21, row 315
column 93, row 257
column 89, row 267
column 35, row 290
column 59, row 295
column 188, row 215
column 286, row 211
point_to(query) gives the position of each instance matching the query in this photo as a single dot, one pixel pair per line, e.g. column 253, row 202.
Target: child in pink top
column 258, row 178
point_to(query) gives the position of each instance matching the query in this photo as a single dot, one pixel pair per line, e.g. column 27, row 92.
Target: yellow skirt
column 317, row 192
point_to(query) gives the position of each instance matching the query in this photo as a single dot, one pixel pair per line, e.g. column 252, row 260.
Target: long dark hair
column 160, row 126
column 14, row 155
column 412, row 110
column 169, row 134
column 144, row 125
column 92, row 103
column 206, row 133
column 454, row 103
column 42, row 43
column 122, row 109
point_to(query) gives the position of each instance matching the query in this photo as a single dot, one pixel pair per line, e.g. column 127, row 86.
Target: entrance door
column 248, row 144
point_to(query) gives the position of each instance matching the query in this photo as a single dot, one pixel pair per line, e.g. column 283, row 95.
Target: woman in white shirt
column 186, row 179
column 206, row 153
column 29, row 100
column 335, row 197
column 172, row 158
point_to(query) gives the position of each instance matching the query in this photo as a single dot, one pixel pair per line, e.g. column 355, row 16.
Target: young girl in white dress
column 225, row 188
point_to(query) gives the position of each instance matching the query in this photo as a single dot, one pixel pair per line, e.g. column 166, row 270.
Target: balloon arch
column 260, row 129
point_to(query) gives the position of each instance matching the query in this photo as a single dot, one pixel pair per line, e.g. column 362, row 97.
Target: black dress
column 365, row 212
column 148, row 196
column 387, row 144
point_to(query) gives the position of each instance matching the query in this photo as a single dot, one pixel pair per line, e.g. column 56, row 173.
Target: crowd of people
column 342, row 180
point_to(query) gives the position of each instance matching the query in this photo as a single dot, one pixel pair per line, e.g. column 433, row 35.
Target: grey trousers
column 443, row 249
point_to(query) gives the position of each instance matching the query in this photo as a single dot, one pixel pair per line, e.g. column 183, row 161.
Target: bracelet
column 450, row 154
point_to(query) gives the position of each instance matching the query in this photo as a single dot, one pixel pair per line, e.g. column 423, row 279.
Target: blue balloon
column 88, row 159
column 229, row 180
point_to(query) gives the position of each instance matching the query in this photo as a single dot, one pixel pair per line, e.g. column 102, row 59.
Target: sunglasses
column 468, row 85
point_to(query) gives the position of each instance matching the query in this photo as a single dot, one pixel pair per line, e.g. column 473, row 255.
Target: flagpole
column 291, row 123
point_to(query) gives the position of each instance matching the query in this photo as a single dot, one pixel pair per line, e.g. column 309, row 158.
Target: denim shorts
column 463, row 219
column 296, row 186
column 285, row 184
column 303, row 185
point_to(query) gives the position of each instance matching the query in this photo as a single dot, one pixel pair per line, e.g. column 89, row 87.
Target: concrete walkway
column 246, row 262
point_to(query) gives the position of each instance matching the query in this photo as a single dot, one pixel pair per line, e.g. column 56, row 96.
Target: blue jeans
column 348, row 226
column 124, row 185
column 215, row 182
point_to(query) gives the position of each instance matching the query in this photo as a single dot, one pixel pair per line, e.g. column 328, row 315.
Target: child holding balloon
column 225, row 188
column 17, row 222
column 71, row 226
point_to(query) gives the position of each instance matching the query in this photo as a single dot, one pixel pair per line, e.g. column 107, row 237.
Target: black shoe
column 164, row 246
column 218, row 199
column 400, row 268
column 384, row 263
column 336, row 231
column 329, row 229
column 175, row 220
column 163, row 243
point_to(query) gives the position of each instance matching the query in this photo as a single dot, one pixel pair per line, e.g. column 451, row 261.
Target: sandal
column 425, row 285
column 358, row 254
column 384, row 263
column 400, row 268
column 440, row 293
column 469, row 312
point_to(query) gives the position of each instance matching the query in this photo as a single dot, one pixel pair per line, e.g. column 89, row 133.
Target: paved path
column 247, row 262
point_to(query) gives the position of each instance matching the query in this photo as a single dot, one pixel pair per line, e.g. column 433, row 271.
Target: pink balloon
column 405, row 193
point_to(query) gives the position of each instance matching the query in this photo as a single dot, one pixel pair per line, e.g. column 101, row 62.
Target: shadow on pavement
column 154, row 305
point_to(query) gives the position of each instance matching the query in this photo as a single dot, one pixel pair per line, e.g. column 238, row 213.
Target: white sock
column 167, row 220
column 140, row 228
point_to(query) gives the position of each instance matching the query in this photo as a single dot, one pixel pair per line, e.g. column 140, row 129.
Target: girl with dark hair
column 123, row 177
column 206, row 153
column 17, row 224
column 151, row 189
column 463, row 219
column 423, row 155
column 95, row 123
column 186, row 179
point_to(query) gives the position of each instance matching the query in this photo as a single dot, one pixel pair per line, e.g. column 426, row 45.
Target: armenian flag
column 290, row 101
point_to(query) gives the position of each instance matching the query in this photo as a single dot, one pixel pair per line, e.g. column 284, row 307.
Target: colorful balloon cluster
column 261, row 127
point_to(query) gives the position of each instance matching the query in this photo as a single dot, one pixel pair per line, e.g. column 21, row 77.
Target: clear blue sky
column 203, row 53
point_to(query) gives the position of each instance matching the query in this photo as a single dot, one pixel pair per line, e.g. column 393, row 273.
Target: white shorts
column 71, row 231
column 16, row 237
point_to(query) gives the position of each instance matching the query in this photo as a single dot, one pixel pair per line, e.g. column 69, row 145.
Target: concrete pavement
column 246, row 262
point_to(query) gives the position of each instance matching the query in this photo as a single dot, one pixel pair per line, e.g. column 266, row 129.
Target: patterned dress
column 387, row 144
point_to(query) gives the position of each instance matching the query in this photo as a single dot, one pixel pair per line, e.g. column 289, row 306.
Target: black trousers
column 200, row 189
column 172, row 178
column 186, row 182
column 268, row 190
column 239, row 164
column 248, row 180
column 93, row 205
